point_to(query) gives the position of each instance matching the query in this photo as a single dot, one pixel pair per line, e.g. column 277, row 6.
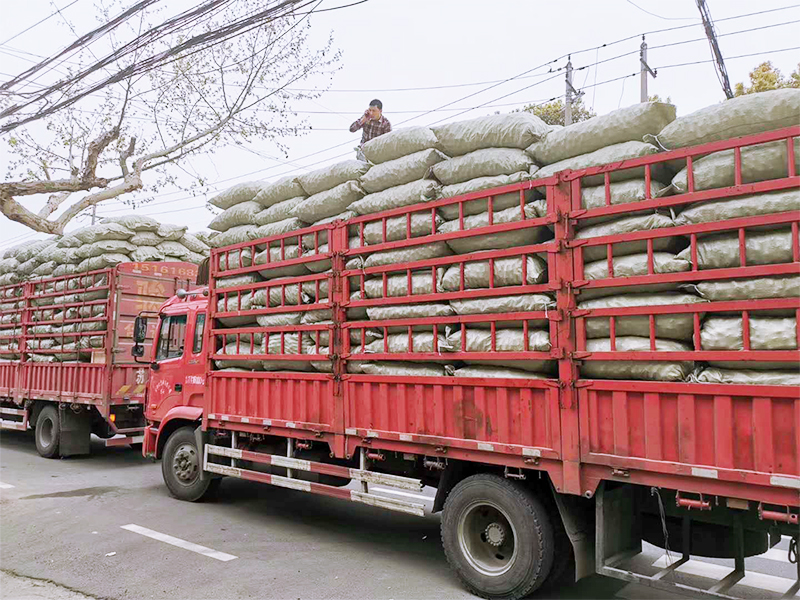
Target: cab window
column 199, row 326
column 172, row 337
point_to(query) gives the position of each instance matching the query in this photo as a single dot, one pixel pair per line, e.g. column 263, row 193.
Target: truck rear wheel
column 497, row 536
column 48, row 432
column 181, row 466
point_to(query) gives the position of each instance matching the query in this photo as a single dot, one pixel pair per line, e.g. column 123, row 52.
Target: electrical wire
column 50, row 16
column 659, row 16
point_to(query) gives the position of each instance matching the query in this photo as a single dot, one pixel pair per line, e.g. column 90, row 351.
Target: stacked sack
column 11, row 307
column 115, row 240
column 770, row 330
column 458, row 158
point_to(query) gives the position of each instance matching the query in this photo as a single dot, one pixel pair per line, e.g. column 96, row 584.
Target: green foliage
column 552, row 113
column 766, row 77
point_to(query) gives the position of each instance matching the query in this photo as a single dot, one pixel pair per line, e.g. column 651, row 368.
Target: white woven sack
column 242, row 363
column 171, row 233
column 103, row 261
column 104, row 231
column 243, row 213
column 65, row 269
column 409, row 311
column 278, row 211
column 147, row 254
column 332, row 176
column 646, row 222
column 235, row 235
column 745, row 115
column 496, row 373
column 622, row 192
column 488, row 162
column 634, row 265
column 507, row 272
column 242, row 192
column 32, row 250
column 398, row 143
column 275, row 258
column 146, row 238
column 235, row 303
column 506, row 340
column 400, row 170
column 68, row 241
column 205, row 236
column 396, row 197
column 320, row 238
column 508, row 239
column 512, row 130
column 279, row 319
column 474, row 207
column 677, row 326
column 14, row 251
column 761, row 248
column 636, row 369
column 135, row 223
column 236, row 280
column 759, row 163
column 270, row 194
column 329, row 202
column 407, row 255
column 396, row 343
column 746, row 377
column 503, row 304
column 285, row 226
column 746, row 206
column 234, row 259
column 105, row 247
column 766, row 333
column 778, row 286
column 607, row 155
column 7, row 265
column 45, row 269
column 402, row 368
column 398, row 285
column 194, row 244
column 627, row 124
column 400, row 228
column 292, row 293
column 175, row 249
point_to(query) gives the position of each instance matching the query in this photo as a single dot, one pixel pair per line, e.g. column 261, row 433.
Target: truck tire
column 181, row 465
column 48, row 432
column 497, row 536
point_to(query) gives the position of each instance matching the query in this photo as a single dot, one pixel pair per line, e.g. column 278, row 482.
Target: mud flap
column 76, row 429
column 201, row 439
column 578, row 516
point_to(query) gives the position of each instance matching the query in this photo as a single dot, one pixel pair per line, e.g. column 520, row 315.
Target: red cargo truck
column 66, row 368
column 538, row 478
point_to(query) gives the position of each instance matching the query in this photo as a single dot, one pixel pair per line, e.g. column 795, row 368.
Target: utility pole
column 568, row 100
column 570, row 95
column 645, row 71
column 712, row 40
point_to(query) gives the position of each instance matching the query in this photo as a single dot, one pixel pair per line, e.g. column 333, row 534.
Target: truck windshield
column 172, row 337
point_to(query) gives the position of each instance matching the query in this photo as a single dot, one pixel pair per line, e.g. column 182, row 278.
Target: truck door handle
column 178, row 387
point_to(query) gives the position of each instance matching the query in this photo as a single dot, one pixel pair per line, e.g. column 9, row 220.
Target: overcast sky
column 388, row 45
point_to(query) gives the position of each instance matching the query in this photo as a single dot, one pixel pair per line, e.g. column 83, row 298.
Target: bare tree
column 131, row 137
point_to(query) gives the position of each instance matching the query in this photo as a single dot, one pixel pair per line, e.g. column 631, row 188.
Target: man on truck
column 372, row 124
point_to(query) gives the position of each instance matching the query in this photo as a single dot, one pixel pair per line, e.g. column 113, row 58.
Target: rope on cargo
column 793, row 550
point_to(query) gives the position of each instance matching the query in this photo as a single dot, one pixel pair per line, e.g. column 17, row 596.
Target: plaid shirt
column 371, row 129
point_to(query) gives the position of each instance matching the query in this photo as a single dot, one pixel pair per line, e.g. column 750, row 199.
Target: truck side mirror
column 137, row 351
column 140, row 330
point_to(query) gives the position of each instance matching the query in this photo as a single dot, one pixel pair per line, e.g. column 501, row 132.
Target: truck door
column 167, row 375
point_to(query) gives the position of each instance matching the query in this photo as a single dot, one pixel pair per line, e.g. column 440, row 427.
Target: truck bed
column 740, row 441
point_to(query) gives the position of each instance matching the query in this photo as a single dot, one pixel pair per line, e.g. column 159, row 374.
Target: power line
column 659, row 16
column 50, row 16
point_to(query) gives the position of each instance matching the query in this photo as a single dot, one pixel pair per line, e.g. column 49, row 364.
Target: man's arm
column 358, row 124
column 388, row 127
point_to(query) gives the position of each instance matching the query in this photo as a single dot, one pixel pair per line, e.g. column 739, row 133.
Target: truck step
column 411, row 508
column 16, row 424
column 396, row 481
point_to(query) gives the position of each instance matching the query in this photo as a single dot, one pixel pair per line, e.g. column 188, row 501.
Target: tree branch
column 53, row 202
column 95, row 148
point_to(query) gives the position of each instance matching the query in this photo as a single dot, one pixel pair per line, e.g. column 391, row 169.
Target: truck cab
column 178, row 369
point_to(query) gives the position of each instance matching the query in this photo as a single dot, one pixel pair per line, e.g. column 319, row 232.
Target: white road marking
column 168, row 539
column 775, row 554
column 712, row 571
column 399, row 493
column 5, row 486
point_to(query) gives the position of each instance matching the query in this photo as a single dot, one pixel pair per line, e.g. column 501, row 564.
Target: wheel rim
column 185, row 465
column 46, row 432
column 487, row 538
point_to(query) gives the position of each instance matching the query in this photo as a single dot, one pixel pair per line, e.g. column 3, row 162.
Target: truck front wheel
column 497, row 537
column 181, row 466
column 48, row 432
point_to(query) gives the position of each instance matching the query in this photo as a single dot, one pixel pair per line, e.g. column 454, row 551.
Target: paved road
column 100, row 525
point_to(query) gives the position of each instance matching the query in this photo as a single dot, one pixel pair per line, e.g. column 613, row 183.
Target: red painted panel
column 300, row 397
column 497, row 413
